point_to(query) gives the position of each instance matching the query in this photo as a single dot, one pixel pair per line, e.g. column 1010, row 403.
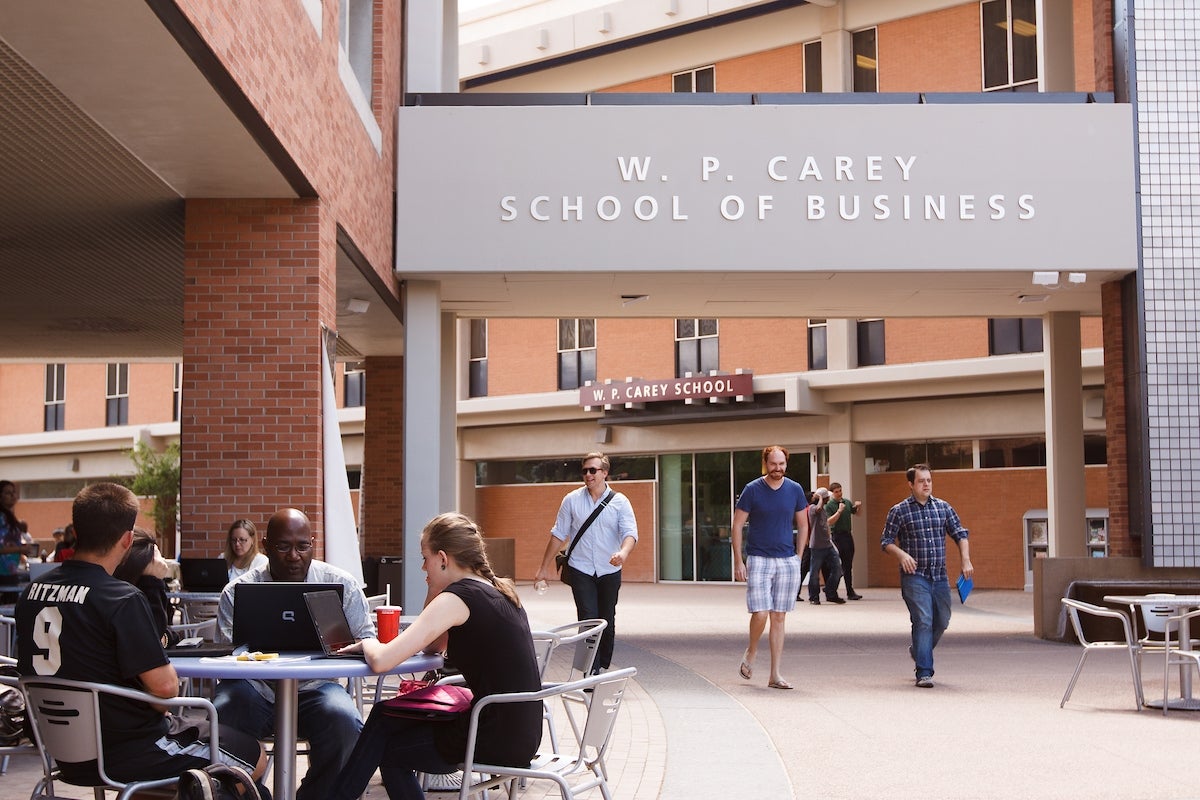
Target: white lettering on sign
column 840, row 169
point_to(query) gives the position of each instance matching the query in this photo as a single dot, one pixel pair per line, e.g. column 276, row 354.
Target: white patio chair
column 584, row 636
column 574, row 773
column 66, row 726
column 1129, row 645
column 1174, row 655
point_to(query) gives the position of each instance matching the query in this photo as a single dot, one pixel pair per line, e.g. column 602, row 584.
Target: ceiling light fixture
column 356, row 306
column 1045, row 279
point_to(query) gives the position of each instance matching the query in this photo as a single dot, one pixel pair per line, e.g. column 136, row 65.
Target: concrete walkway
column 856, row 727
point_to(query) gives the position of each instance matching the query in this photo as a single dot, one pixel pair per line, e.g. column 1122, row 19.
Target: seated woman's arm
column 444, row 612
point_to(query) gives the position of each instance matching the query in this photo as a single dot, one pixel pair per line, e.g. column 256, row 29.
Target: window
column 576, row 352
column 477, row 369
column 870, row 343
column 703, row 79
column 1022, row 335
column 177, row 395
column 818, row 354
column 695, row 346
column 812, row 66
column 56, row 397
column 356, row 387
column 866, row 64
column 358, row 39
column 116, row 411
column 1009, row 45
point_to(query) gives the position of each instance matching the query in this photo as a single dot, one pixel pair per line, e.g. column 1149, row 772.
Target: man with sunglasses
column 326, row 714
column 595, row 561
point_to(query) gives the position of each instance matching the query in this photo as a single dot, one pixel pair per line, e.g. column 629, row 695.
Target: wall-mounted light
column 543, row 38
column 605, row 22
column 485, row 54
column 357, row 306
column 672, row 8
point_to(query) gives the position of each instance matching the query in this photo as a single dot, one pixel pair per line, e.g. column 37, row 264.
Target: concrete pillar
column 423, row 409
column 431, row 46
column 847, row 466
column 259, row 282
column 1056, row 46
column 837, row 62
column 841, row 343
column 448, row 403
column 1064, row 434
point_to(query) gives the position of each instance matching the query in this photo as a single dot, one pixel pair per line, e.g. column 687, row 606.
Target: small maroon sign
column 657, row 391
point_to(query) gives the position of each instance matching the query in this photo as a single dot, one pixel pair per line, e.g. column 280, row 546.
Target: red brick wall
column 22, row 398
column 764, row 346
column 383, row 467
column 1120, row 541
column 526, row 513
column 990, row 503
column 290, row 76
column 258, row 283
column 912, row 340
column 935, row 52
column 778, row 70
column 522, row 356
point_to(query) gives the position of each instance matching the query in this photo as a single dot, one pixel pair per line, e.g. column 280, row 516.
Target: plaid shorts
column 772, row 583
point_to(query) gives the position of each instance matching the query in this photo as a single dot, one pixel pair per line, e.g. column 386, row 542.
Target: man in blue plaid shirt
column 915, row 533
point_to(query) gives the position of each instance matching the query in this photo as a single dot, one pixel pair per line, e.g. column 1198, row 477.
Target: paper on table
column 965, row 585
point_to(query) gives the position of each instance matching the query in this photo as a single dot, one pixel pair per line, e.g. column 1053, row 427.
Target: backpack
column 12, row 713
column 217, row 782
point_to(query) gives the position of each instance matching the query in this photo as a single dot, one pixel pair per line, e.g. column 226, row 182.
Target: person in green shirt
column 842, row 538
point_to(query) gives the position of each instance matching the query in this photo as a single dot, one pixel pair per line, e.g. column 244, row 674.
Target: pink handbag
column 430, row 702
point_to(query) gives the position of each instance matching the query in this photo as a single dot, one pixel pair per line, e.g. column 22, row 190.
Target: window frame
column 116, row 394
column 1012, row 84
column 866, row 356
column 576, row 353
column 707, row 357
column 854, row 66
column 477, row 358
column 815, row 363
column 817, row 82
column 354, row 386
column 693, row 76
column 54, row 417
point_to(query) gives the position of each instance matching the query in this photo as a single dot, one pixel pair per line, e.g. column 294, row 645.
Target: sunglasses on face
column 592, row 470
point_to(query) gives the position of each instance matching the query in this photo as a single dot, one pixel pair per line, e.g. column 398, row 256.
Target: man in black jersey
column 79, row 622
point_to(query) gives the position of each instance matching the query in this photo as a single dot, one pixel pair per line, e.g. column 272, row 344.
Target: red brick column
column 1120, row 543
column 383, row 458
column 259, row 279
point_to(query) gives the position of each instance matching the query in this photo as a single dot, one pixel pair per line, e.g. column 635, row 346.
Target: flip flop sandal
column 745, row 669
column 780, row 684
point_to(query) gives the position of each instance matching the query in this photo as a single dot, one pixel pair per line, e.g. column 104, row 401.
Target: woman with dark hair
column 145, row 567
column 11, row 540
column 478, row 618
column 241, row 549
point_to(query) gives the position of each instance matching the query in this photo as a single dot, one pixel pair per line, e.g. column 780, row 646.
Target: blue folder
column 965, row 585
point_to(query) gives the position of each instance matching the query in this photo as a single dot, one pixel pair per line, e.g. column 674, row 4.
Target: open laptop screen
column 203, row 574
column 329, row 618
column 273, row 616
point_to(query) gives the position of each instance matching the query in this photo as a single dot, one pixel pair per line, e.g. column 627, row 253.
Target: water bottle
column 541, row 587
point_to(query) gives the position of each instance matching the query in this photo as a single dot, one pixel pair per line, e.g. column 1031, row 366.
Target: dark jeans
column 596, row 598
column 820, row 558
column 326, row 716
column 805, row 563
column 397, row 747
column 844, row 542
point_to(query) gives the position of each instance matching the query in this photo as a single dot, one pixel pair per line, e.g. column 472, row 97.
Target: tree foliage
column 156, row 474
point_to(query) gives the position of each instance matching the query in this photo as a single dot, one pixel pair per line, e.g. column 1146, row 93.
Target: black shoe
column 839, row 600
column 854, row 596
column 815, row 601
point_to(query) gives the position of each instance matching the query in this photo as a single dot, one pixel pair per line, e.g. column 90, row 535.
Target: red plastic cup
column 387, row 622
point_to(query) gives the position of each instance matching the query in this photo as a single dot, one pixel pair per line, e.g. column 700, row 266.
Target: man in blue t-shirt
column 773, row 504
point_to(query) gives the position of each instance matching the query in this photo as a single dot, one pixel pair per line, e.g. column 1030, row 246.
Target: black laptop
column 203, row 574
column 329, row 619
column 273, row 616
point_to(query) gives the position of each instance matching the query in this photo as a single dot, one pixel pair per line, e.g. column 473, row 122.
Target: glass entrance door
column 696, row 499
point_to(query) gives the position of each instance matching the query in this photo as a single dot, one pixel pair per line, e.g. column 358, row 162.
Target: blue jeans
column 929, row 609
column 397, row 747
column 596, row 598
column 326, row 716
column 827, row 558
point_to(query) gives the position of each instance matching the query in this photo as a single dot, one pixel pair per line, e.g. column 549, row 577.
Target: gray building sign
column 768, row 188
